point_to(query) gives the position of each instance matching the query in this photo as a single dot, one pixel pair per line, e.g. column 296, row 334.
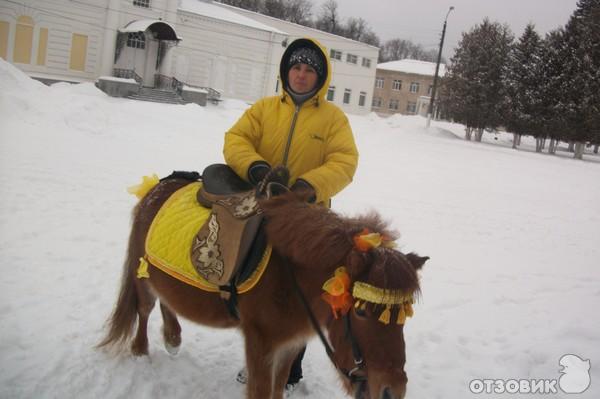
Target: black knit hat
column 308, row 56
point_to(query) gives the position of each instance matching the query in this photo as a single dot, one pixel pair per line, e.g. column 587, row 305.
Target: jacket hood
column 323, row 82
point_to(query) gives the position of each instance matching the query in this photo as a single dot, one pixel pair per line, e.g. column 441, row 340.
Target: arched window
column 23, row 40
column 136, row 40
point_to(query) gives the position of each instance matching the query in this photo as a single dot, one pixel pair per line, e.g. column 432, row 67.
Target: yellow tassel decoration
column 401, row 315
column 385, row 315
column 362, row 306
column 140, row 190
column 142, row 271
column 408, row 309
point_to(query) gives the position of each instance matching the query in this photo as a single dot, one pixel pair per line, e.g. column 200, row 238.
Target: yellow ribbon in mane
column 140, row 190
column 365, row 240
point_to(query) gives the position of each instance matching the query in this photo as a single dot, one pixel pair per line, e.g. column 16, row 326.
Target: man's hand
column 257, row 172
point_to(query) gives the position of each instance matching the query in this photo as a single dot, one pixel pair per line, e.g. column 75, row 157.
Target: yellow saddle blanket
column 169, row 241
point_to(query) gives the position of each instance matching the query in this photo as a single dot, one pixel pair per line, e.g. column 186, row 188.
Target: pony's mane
column 314, row 236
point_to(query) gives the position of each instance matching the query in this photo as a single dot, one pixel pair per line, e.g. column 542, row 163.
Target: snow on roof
column 413, row 66
column 210, row 10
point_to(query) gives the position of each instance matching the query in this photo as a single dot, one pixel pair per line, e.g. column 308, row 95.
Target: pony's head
column 368, row 339
column 370, row 290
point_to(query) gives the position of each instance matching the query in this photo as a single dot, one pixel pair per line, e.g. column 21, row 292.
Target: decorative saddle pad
column 172, row 234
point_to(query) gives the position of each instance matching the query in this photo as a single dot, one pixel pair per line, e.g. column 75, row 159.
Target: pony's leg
column 283, row 365
column 146, row 301
column 259, row 362
column 171, row 330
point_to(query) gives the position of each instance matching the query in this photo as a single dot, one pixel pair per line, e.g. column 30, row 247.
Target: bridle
column 354, row 376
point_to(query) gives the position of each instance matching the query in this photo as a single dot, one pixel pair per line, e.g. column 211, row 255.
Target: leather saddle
column 231, row 243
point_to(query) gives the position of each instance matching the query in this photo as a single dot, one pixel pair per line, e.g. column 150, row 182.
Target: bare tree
column 299, row 12
column 274, row 8
column 252, row 5
column 329, row 20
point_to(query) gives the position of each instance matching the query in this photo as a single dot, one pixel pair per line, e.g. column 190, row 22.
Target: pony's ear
column 417, row 261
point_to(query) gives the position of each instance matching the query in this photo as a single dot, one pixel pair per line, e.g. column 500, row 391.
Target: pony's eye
column 360, row 313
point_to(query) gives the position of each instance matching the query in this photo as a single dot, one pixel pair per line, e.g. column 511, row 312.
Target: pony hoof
column 173, row 350
column 139, row 352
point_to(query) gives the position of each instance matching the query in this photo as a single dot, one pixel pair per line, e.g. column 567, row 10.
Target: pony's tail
column 124, row 316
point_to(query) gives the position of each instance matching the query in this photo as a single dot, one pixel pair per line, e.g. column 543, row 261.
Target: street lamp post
column 437, row 68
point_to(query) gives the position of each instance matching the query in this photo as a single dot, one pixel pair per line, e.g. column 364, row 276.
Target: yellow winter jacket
column 322, row 149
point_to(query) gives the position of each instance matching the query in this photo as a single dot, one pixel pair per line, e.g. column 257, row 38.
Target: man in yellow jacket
column 299, row 129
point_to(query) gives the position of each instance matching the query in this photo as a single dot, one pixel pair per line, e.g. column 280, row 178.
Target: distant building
column 404, row 87
column 352, row 63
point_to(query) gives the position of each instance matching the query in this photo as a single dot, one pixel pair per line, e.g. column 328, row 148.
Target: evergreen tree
column 474, row 91
column 581, row 87
column 551, row 119
column 523, row 85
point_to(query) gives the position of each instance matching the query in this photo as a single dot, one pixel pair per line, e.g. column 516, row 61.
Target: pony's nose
column 388, row 393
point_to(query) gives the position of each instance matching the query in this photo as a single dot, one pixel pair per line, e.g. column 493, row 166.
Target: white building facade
column 160, row 43
column 353, row 63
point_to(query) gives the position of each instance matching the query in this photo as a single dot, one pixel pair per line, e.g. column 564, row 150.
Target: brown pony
column 309, row 243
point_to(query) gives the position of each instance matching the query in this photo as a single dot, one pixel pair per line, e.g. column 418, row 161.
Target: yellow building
column 404, row 87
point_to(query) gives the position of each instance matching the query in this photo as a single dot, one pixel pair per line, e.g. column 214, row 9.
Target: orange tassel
column 385, row 315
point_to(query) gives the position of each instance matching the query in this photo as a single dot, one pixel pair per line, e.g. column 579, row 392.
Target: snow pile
column 513, row 239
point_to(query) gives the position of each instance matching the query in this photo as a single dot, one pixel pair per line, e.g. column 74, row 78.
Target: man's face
column 302, row 78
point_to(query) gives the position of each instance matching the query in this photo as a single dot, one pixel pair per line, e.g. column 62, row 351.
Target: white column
column 110, row 38
column 170, row 16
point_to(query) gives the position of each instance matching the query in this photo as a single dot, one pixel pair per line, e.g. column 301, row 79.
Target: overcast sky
column 421, row 21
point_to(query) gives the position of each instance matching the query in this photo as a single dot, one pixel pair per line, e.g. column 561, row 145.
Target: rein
column 350, row 375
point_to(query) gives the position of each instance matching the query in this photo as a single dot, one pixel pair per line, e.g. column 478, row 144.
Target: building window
column 429, row 90
column 331, row 93
column 42, row 46
column 136, row 40
column 377, row 102
column 394, row 104
column 362, row 98
column 4, row 28
column 379, row 83
column 397, row 85
column 78, row 52
column 411, row 108
column 142, row 3
column 366, row 62
column 351, row 58
column 335, row 55
column 347, row 95
column 23, row 40
column 414, row 87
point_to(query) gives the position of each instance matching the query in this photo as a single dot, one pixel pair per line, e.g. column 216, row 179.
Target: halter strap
column 359, row 362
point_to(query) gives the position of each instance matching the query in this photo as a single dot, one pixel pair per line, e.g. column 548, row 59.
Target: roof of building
column 413, row 66
column 210, row 10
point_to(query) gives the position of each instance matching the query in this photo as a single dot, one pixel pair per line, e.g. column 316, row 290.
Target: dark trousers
column 296, row 371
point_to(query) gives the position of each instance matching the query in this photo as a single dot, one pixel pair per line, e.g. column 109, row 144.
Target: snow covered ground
column 513, row 238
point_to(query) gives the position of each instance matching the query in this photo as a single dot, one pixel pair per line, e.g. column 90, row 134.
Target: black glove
column 304, row 188
column 277, row 179
column 257, row 172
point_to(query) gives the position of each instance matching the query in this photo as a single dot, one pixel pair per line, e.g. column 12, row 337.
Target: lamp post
column 437, row 68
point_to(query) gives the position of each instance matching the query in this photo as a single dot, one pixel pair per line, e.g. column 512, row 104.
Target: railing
column 127, row 74
column 163, row 81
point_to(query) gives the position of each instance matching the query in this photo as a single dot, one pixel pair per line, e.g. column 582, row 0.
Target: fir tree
column 523, row 85
column 475, row 94
column 581, row 78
